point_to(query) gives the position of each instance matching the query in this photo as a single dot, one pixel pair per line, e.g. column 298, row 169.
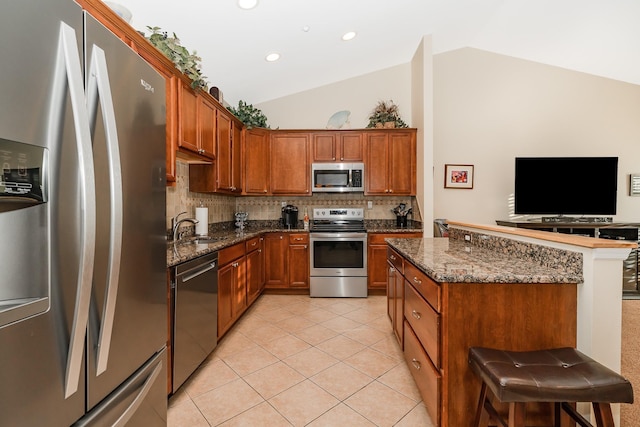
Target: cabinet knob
column 264, row 191
column 259, row 250
column 415, row 364
column 415, row 314
column 254, row 243
column 280, row 237
column 416, row 280
column 392, row 257
column 391, row 269
column 305, row 246
column 386, row 191
column 235, row 264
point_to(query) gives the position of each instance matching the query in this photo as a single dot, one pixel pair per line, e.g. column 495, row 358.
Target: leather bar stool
column 560, row 375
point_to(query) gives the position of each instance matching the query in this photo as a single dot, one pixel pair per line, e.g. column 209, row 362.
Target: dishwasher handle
column 197, row 271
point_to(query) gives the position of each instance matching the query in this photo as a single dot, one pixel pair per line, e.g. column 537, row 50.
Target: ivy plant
column 188, row 63
column 249, row 115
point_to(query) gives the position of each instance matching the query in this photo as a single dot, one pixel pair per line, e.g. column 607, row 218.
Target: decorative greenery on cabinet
column 386, row 114
column 186, row 62
column 249, row 115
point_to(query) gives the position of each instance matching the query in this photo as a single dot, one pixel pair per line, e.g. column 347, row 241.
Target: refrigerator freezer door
column 128, row 307
column 34, row 350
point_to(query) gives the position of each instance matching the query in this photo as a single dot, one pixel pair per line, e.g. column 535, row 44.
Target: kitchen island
column 494, row 287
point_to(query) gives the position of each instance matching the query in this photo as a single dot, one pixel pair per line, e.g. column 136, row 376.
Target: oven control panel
column 338, row 213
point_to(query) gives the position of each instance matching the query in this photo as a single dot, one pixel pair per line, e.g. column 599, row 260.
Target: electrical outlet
column 369, row 204
column 283, row 204
column 467, row 237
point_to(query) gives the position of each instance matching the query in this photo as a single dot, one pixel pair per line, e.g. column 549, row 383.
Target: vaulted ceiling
column 594, row 36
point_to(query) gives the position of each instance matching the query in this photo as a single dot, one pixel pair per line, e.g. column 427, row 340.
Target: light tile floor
column 299, row 361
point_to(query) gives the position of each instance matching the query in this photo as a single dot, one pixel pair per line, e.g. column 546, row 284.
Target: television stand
column 572, row 219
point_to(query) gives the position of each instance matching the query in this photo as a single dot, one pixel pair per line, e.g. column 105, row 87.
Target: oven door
column 335, row 254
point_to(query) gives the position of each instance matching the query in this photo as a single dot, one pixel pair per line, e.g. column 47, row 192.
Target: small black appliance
column 290, row 217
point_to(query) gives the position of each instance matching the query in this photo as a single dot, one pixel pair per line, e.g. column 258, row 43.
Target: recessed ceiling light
column 348, row 36
column 247, row 4
column 272, row 57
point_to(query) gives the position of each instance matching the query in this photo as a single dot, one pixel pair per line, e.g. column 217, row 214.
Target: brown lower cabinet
column 287, row 260
column 377, row 257
column 441, row 320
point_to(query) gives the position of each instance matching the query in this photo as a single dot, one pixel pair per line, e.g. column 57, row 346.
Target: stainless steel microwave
column 337, row 177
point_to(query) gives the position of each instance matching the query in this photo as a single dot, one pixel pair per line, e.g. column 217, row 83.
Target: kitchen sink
column 204, row 240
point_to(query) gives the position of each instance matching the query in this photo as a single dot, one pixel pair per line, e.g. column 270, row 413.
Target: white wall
column 313, row 108
column 490, row 108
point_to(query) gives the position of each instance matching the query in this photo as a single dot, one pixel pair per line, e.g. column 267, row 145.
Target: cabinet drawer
column 396, row 259
column 424, row 321
column 427, row 378
column 426, row 287
column 253, row 244
column 227, row 255
column 298, row 238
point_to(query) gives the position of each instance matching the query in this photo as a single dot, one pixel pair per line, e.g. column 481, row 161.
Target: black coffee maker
column 290, row 217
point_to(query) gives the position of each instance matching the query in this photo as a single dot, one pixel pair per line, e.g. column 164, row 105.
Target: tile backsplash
column 222, row 208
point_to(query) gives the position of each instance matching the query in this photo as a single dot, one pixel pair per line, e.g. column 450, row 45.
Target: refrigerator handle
column 98, row 87
column 68, row 65
column 131, row 410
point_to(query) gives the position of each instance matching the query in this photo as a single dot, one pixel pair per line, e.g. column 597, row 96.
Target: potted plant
column 188, row 63
column 249, row 115
column 386, row 114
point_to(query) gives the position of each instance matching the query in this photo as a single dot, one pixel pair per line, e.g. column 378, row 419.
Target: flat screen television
column 566, row 185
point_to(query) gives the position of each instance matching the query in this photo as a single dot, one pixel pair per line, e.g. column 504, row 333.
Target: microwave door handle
column 98, row 87
column 68, row 66
column 349, row 183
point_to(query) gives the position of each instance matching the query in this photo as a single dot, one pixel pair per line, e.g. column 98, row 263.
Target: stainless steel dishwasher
column 195, row 315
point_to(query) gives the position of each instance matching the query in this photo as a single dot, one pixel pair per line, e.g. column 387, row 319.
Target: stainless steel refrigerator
column 82, row 223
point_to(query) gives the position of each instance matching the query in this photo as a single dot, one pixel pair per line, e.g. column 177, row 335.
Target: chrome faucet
column 175, row 224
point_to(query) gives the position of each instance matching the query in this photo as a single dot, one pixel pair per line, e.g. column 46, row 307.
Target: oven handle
column 328, row 236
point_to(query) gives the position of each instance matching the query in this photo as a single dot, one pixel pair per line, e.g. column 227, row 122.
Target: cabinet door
column 377, row 266
column 275, row 261
column 224, row 180
column 255, row 273
column 239, row 287
column 236, row 157
column 402, row 163
column 377, row 163
column 188, row 118
column 324, row 147
column 206, row 127
column 225, row 298
column 391, row 288
column 298, row 259
column 351, row 147
column 398, row 312
column 172, row 126
column 256, row 161
column 290, row 171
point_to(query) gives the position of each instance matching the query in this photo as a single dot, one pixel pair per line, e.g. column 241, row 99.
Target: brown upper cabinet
column 256, row 161
column 290, row 163
column 196, row 125
column 390, row 162
column 338, row 146
column 229, row 159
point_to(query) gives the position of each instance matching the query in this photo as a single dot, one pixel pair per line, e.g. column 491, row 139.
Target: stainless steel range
column 338, row 253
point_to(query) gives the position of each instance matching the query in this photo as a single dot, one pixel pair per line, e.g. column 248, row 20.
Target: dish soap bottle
column 306, row 219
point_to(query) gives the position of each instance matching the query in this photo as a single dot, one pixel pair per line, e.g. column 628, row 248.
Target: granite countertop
column 454, row 261
column 184, row 250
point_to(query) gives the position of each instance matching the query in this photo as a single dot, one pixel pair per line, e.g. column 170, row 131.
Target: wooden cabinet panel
column 324, row 147
column 206, row 127
column 187, row 118
column 398, row 309
column 225, row 150
column 391, row 291
column 377, row 255
column 427, row 378
column 290, row 170
column 298, row 255
column 239, row 287
column 255, row 268
column 232, row 286
column 256, row 162
column 402, row 163
column 352, row 147
column 430, row 290
column 276, row 266
column 236, row 157
column 390, row 162
column 376, row 164
column 225, row 298
column 424, row 321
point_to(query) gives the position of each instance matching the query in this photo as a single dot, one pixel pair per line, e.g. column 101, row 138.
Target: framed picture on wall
column 458, row 176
